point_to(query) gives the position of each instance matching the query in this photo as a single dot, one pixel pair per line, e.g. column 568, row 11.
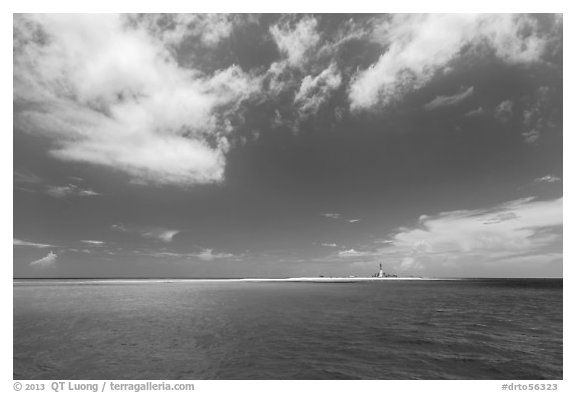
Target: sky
column 243, row 145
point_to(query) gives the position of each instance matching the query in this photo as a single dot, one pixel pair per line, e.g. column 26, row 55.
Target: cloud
column 107, row 92
column 206, row 254
column 26, row 177
column 329, row 244
column 548, row 179
column 93, row 242
column 34, row 183
column 531, row 136
column 338, row 216
column 121, row 228
column 314, row 91
column 294, row 42
column 162, row 234
column 49, row 261
column 23, row 243
column 512, row 230
column 443, row 101
column 27, row 181
column 311, row 67
column 419, row 46
column 475, row 112
column 175, row 29
column 70, row 190
column 209, row 255
column 165, row 235
column 536, row 117
column 353, row 253
column 504, row 111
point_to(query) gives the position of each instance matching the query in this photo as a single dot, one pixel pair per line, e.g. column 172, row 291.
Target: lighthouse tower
column 381, row 272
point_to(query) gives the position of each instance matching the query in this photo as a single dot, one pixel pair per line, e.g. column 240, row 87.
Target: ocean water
column 469, row 329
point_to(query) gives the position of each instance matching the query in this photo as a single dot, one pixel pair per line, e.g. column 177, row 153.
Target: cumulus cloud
column 24, row 243
column 442, row 101
column 162, row 234
column 294, row 42
column 524, row 228
column 109, row 93
column 419, row 46
column 49, row 261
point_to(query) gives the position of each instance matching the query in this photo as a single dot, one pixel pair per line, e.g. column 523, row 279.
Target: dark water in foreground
column 480, row 329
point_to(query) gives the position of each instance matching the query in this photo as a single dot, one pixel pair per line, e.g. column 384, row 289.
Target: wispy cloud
column 70, row 190
column 315, row 91
column 162, row 234
column 338, row 216
column 475, row 112
column 206, row 254
column 49, row 261
column 23, row 243
column 548, row 179
column 165, row 235
column 310, row 69
column 352, row 253
column 26, row 177
column 536, row 116
column 297, row 40
column 209, row 255
column 418, row 46
column 503, row 112
column 443, row 101
column 35, row 183
column 93, row 242
column 329, row 244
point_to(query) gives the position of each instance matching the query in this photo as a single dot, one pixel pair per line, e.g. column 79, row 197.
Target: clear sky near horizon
column 287, row 145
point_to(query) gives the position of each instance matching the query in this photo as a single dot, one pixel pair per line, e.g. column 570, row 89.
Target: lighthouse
column 380, row 272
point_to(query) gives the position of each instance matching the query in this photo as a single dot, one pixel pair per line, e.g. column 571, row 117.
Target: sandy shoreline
column 224, row 280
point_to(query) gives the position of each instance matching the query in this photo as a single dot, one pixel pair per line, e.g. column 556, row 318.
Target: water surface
column 470, row 329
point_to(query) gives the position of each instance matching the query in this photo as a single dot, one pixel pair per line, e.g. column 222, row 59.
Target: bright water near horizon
column 470, row 329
